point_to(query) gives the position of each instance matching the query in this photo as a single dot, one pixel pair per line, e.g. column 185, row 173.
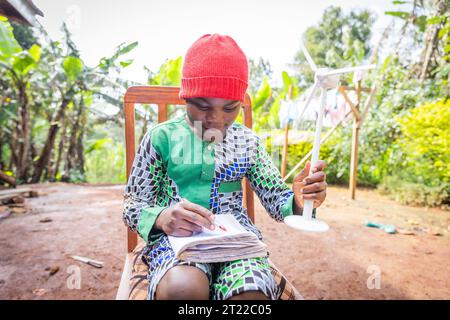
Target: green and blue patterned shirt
column 172, row 162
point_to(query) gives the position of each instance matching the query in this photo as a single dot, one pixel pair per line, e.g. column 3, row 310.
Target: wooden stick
column 353, row 88
column 350, row 103
column 368, row 103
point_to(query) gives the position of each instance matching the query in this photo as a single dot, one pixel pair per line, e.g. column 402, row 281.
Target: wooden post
column 355, row 142
column 285, row 142
column 131, row 147
column 162, row 112
column 248, row 196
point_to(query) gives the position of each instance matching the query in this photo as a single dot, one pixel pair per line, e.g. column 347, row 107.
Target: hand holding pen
column 184, row 218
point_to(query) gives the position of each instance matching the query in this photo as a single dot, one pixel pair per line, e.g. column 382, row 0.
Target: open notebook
column 217, row 245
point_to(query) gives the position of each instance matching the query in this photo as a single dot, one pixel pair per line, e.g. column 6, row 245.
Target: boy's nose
column 215, row 121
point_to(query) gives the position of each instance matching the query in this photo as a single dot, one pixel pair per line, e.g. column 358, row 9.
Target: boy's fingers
column 196, row 218
column 317, row 196
column 197, row 208
column 310, row 196
column 189, row 226
column 315, row 177
column 315, row 187
column 304, row 173
column 321, row 164
column 181, row 233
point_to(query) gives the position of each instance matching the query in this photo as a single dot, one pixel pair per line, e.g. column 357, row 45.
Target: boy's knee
column 250, row 295
column 183, row 283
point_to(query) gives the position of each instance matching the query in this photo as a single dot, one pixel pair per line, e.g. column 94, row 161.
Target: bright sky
column 166, row 28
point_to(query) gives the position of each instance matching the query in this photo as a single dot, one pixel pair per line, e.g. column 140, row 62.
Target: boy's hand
column 310, row 187
column 184, row 218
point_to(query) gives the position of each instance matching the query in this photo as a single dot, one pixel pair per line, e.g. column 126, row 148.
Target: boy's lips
column 223, row 131
column 220, row 128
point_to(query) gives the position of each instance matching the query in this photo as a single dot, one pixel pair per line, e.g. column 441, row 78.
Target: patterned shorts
column 226, row 279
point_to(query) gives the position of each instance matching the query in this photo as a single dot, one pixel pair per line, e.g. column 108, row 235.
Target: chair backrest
column 162, row 97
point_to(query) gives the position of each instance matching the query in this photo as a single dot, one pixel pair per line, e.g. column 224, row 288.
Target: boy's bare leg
column 183, row 283
column 250, row 295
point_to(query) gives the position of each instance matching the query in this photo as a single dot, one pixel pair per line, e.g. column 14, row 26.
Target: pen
column 219, row 226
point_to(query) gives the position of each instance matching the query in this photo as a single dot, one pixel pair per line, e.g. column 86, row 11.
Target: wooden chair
column 133, row 284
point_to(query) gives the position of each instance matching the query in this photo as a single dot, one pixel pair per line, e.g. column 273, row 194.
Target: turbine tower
column 324, row 79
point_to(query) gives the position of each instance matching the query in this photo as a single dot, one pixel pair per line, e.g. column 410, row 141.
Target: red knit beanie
column 214, row 67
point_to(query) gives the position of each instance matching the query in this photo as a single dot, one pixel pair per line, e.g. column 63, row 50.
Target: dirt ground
column 339, row 264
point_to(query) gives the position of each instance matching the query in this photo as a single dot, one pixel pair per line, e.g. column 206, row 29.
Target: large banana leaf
column 263, row 94
column 169, row 73
column 73, row 67
column 8, row 44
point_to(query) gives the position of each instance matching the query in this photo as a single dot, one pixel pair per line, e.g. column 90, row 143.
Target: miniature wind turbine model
column 324, row 79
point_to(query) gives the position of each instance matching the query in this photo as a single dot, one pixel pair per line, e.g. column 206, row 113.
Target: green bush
column 422, row 173
column 411, row 193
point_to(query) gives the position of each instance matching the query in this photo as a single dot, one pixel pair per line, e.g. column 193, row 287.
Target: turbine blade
column 349, row 69
column 308, row 57
column 310, row 97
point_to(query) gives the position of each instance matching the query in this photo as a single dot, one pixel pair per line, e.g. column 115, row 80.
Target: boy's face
column 215, row 115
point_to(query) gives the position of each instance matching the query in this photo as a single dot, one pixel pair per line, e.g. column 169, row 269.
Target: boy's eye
column 230, row 109
column 203, row 108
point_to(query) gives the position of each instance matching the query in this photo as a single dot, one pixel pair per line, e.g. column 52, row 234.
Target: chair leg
column 124, row 286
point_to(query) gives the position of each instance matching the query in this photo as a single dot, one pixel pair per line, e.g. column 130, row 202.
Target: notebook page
column 233, row 227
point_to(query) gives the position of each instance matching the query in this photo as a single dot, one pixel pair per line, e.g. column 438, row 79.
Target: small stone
column 5, row 214
column 39, row 292
column 34, row 194
column 18, row 210
column 16, row 205
column 18, row 199
column 45, row 220
column 54, row 270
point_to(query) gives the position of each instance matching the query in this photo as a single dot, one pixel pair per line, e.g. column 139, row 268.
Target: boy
column 190, row 168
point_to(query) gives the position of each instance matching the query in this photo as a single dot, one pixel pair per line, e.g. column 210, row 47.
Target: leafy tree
column 48, row 88
column 257, row 72
column 338, row 40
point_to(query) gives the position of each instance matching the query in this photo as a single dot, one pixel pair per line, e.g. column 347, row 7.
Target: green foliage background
column 404, row 140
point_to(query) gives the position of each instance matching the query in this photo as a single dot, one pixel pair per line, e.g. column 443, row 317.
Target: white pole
column 308, row 204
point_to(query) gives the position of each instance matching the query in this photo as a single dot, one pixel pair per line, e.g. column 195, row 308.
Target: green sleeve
column 265, row 179
column 288, row 208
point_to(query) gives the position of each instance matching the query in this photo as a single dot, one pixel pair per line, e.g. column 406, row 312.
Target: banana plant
column 260, row 104
column 18, row 66
column 75, row 81
column 282, row 94
column 169, row 74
